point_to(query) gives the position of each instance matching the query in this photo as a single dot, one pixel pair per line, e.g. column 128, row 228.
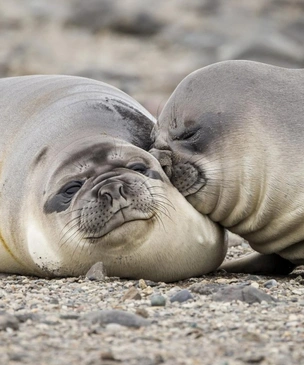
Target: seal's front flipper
column 256, row 263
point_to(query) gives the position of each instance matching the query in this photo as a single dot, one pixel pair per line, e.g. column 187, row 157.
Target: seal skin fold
column 231, row 140
column 77, row 186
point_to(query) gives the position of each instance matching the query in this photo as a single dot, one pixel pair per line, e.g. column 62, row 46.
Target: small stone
column 297, row 291
column 142, row 312
column 107, row 355
column 8, row 321
column 222, row 281
column 116, row 316
column 132, row 294
column 142, row 284
column 205, row 289
column 252, row 358
column 181, row 296
column 54, row 301
column 97, row 272
column 27, row 316
column 253, row 278
column 158, row 300
column 247, row 294
column 151, row 283
column 147, row 291
column 255, row 284
column 270, row 284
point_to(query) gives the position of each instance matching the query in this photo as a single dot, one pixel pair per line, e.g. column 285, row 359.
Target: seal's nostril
column 107, row 195
column 122, row 192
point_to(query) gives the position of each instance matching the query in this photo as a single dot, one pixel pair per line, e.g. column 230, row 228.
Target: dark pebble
column 271, row 284
column 158, row 300
column 247, row 294
column 181, row 296
column 132, row 294
column 116, row 316
column 8, row 321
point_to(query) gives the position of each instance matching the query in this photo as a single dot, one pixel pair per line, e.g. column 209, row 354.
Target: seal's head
column 209, row 138
column 103, row 199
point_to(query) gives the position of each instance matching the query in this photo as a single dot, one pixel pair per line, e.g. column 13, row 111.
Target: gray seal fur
column 231, row 140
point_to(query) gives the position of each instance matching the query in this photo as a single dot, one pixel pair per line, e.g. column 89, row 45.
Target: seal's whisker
column 68, row 223
column 166, row 200
column 163, row 203
column 163, row 209
column 158, row 219
column 80, row 241
column 62, row 243
column 73, row 211
column 157, row 207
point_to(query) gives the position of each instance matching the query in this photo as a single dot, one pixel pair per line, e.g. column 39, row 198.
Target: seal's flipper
column 256, row 263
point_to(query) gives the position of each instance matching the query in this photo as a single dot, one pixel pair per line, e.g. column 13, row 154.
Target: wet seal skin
column 230, row 138
column 78, row 187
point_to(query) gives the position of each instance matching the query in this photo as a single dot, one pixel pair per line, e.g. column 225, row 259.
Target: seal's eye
column 62, row 200
column 139, row 167
column 71, row 188
column 187, row 135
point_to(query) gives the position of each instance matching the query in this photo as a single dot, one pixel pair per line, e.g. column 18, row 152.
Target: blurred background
column 146, row 47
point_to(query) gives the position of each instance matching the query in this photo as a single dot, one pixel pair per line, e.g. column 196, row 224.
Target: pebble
column 270, row 283
column 116, row 316
column 147, row 291
column 142, row 284
column 142, row 312
column 248, row 294
column 253, row 278
column 158, row 300
column 8, row 321
column 181, row 296
column 97, row 272
column 132, row 294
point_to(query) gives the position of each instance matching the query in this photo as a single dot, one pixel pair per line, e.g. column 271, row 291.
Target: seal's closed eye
column 139, row 167
column 62, row 200
column 71, row 188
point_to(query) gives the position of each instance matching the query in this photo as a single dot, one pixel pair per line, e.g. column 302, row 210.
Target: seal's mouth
column 187, row 178
column 117, row 220
column 120, row 228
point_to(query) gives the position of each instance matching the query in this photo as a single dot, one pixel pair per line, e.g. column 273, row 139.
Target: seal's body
column 77, row 187
column 231, row 139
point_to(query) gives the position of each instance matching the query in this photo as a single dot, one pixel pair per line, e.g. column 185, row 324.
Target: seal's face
column 108, row 188
column 183, row 145
column 107, row 200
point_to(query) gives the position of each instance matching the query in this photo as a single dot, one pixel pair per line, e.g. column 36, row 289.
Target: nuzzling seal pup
column 231, row 139
column 76, row 187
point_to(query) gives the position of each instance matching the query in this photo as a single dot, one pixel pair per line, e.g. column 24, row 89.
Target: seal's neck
column 256, row 197
column 241, row 187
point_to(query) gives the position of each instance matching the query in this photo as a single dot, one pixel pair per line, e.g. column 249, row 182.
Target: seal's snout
column 165, row 159
column 113, row 191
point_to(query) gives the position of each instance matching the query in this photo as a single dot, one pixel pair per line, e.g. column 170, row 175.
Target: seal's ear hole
column 139, row 167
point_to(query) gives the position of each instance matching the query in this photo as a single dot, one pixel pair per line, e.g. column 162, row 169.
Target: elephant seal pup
column 75, row 188
column 231, row 140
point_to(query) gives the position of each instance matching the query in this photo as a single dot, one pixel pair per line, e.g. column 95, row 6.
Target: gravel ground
column 63, row 321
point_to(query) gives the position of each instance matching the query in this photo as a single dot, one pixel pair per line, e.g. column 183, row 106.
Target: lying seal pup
column 231, row 140
column 76, row 187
